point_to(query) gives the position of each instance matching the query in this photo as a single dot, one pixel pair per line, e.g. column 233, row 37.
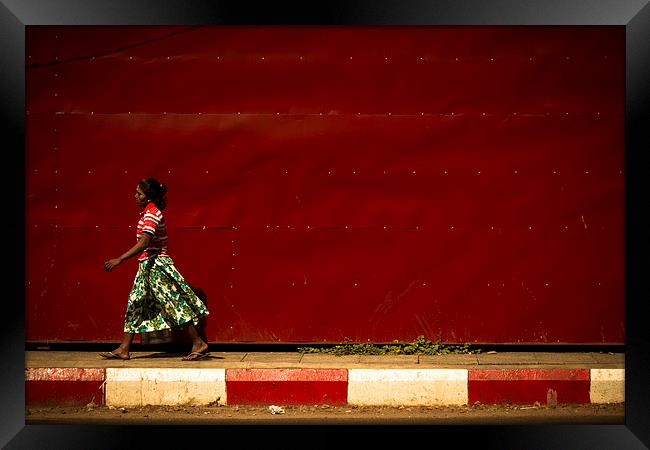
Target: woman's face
column 140, row 197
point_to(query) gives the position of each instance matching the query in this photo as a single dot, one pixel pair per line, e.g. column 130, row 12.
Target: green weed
column 420, row 346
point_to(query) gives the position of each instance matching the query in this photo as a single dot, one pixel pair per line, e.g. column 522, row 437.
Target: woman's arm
column 143, row 243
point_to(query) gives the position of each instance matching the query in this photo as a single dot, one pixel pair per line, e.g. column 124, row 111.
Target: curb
column 311, row 386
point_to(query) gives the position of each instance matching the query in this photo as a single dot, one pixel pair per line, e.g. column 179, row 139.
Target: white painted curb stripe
column 161, row 386
column 607, row 386
column 425, row 387
column 162, row 375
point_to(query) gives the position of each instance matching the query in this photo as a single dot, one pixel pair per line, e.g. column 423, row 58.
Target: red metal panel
column 329, row 182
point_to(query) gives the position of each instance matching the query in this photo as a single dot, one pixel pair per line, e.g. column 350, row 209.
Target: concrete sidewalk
column 282, row 378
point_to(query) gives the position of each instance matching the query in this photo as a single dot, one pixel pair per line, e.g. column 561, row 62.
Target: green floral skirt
column 161, row 299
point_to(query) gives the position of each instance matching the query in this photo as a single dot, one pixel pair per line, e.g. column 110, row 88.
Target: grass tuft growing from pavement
column 420, row 346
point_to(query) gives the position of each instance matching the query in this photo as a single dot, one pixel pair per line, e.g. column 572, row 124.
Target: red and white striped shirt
column 152, row 222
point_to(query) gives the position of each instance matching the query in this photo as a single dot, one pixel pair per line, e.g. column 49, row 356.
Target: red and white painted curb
column 64, row 386
column 310, row 386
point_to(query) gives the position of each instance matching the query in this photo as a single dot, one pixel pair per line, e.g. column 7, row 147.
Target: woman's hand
column 111, row 264
column 143, row 242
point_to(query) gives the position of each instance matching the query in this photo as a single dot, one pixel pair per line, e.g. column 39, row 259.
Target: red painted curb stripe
column 64, row 374
column 528, row 374
column 287, row 386
column 287, row 375
column 528, row 385
column 64, row 393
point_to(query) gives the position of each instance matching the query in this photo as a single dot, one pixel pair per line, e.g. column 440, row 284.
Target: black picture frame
column 634, row 15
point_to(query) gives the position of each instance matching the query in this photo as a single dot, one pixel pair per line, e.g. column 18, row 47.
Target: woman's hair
column 155, row 191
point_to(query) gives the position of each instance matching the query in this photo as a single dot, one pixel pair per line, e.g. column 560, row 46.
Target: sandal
column 194, row 356
column 111, row 355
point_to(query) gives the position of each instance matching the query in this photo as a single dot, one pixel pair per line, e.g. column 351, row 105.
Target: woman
column 160, row 298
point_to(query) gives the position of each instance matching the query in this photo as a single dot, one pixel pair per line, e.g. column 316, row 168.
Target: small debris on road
column 276, row 409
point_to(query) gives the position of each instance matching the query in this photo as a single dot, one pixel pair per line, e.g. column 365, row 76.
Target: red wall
column 370, row 183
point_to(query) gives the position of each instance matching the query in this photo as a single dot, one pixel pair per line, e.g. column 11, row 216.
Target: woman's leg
column 123, row 350
column 198, row 344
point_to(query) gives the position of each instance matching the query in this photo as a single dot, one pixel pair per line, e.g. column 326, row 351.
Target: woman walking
column 160, row 298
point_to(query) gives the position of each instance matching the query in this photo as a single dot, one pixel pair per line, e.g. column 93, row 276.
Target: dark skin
column 198, row 345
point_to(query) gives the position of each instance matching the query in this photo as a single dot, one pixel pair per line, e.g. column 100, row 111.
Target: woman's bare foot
column 198, row 351
column 118, row 353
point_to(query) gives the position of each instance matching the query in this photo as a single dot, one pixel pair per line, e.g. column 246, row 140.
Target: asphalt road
column 612, row 414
